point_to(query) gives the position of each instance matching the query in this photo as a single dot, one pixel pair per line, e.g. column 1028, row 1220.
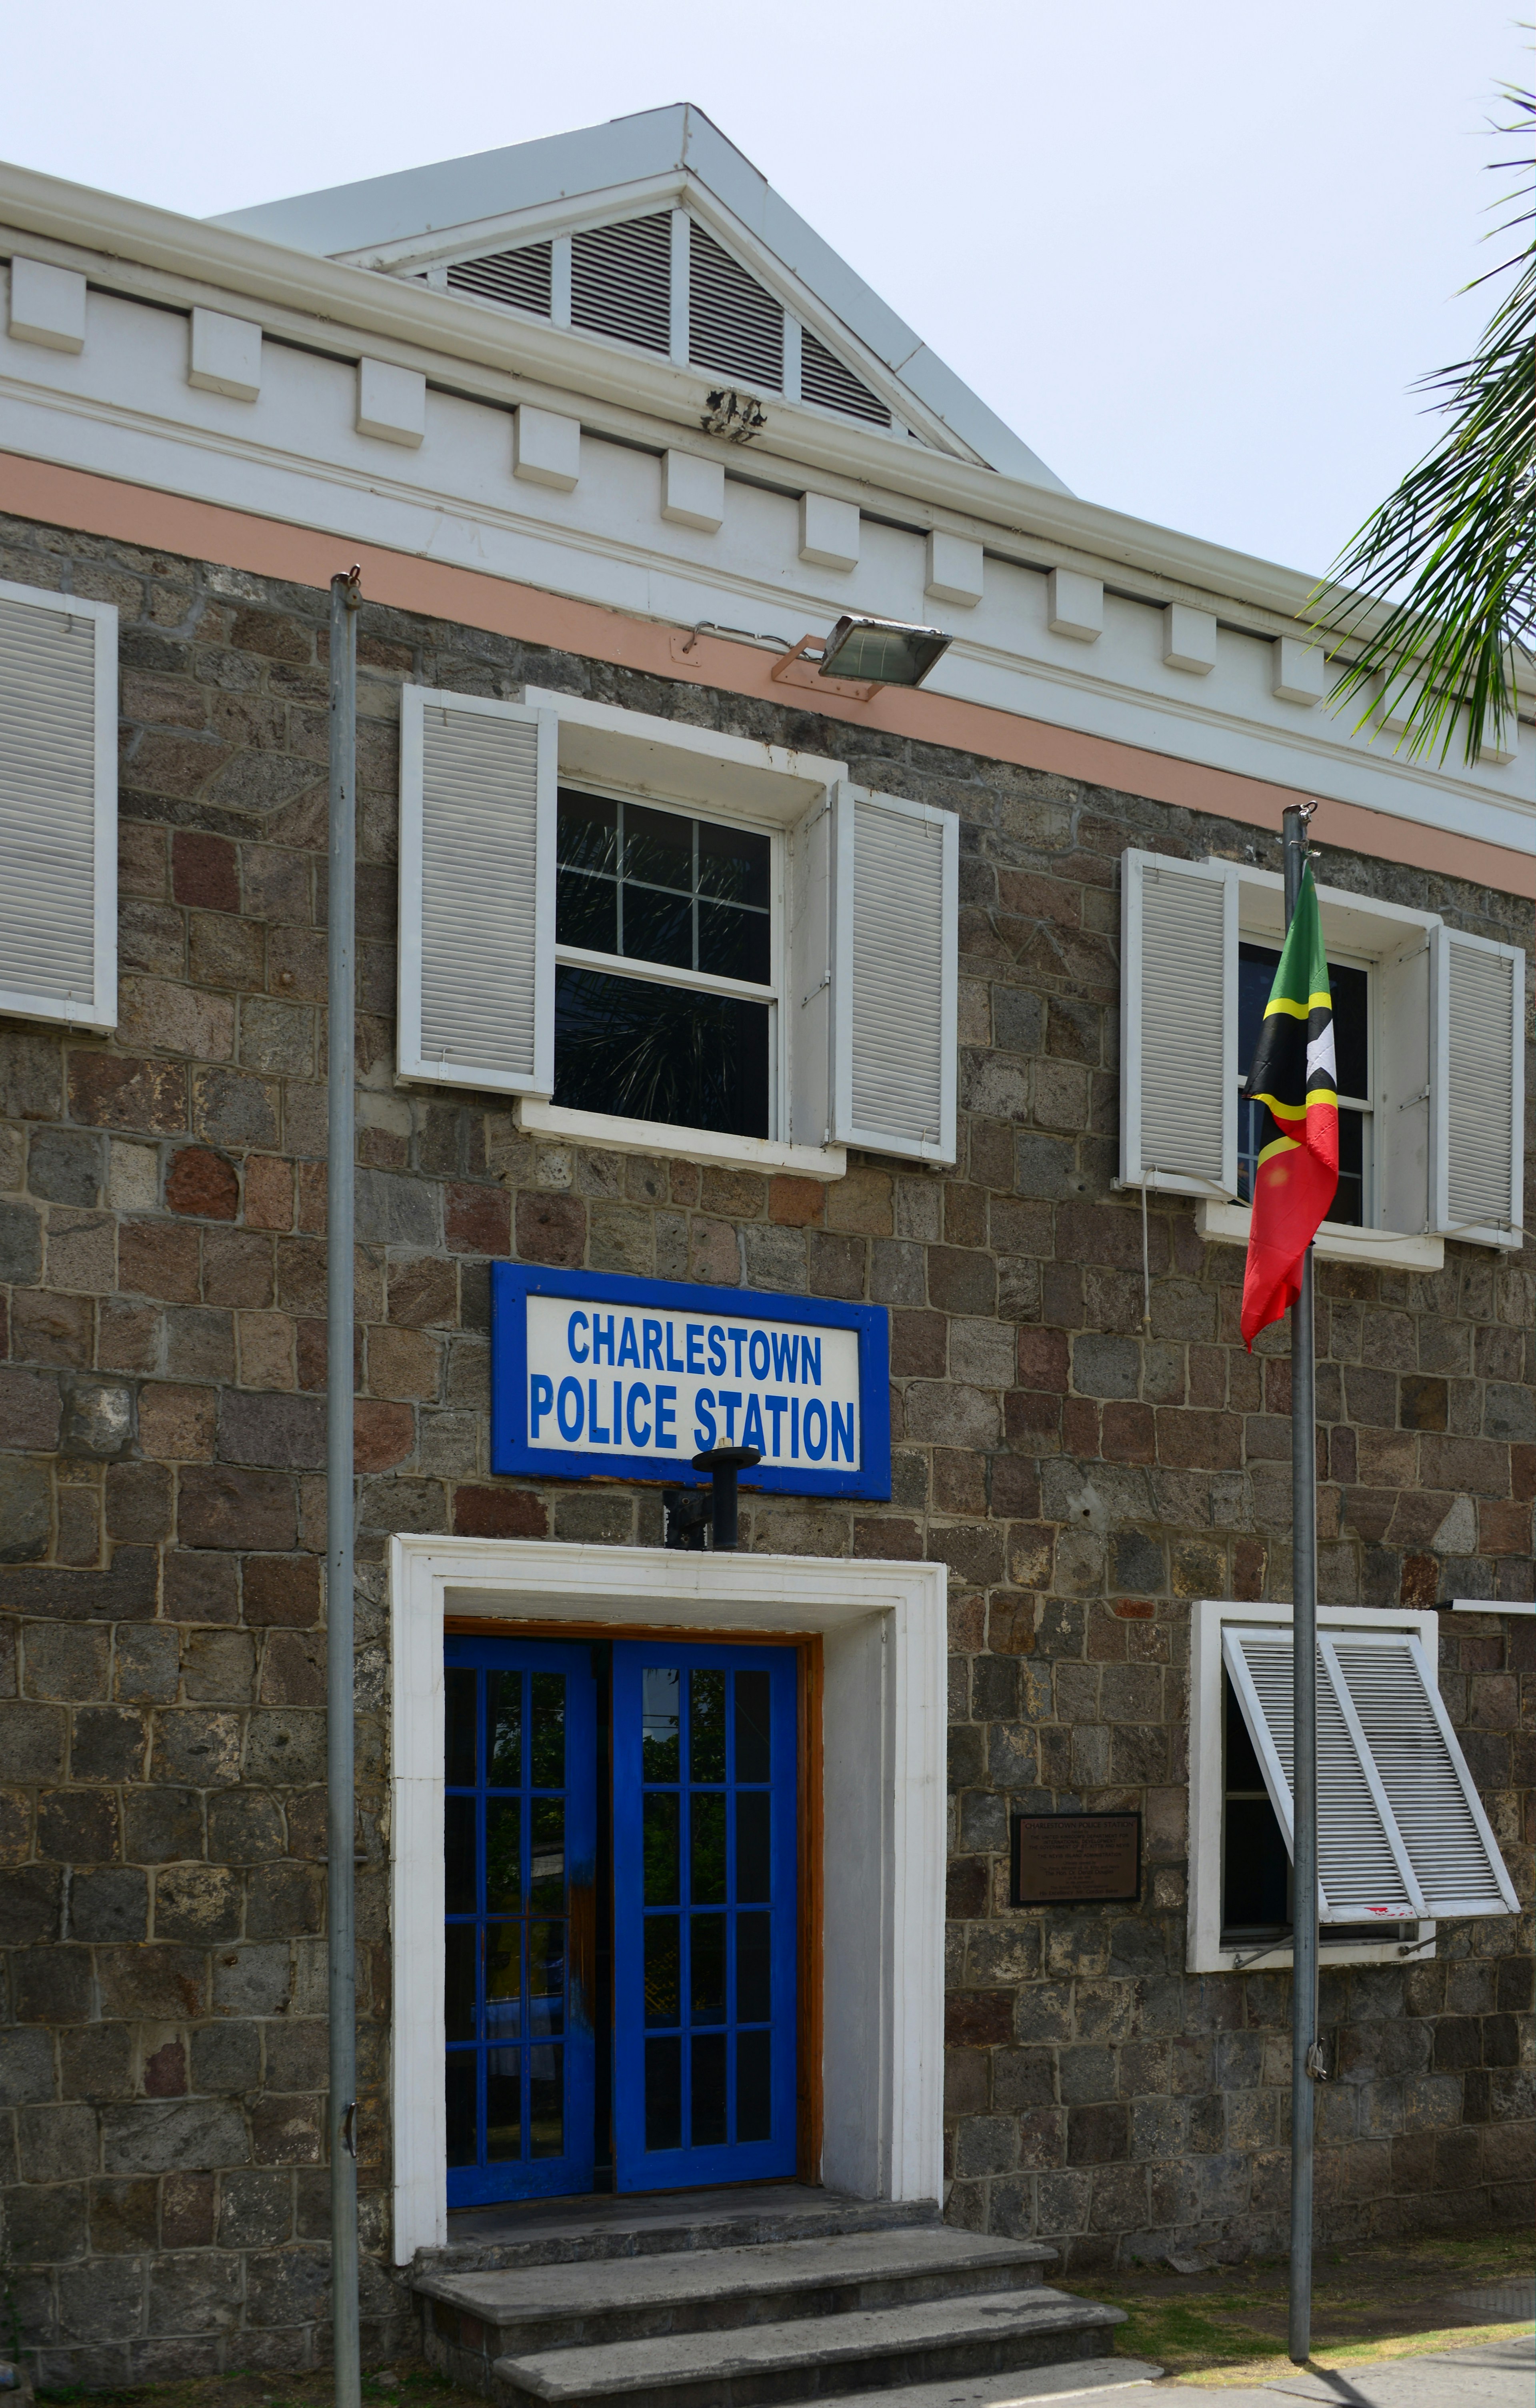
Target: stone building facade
column 1085, row 1451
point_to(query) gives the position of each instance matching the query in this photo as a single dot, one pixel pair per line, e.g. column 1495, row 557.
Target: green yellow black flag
column 1293, row 1076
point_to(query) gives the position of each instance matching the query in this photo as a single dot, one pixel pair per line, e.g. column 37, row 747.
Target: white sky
column 1194, row 251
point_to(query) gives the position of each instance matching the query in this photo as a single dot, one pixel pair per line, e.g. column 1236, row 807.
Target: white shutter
column 1477, row 1089
column 1401, row 1831
column 896, row 933
column 806, row 1016
column 477, row 891
column 1178, row 1026
column 58, row 808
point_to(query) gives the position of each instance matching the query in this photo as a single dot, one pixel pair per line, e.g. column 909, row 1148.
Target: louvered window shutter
column 620, row 281
column 1477, row 1089
column 735, row 327
column 1178, row 1025
column 1401, row 1832
column 477, row 891
column 896, row 901
column 58, row 808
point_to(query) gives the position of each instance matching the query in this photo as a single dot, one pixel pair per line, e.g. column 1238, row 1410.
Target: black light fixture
column 886, row 652
column 689, row 1512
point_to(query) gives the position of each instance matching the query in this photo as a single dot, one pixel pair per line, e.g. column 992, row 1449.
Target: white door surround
column 883, row 1628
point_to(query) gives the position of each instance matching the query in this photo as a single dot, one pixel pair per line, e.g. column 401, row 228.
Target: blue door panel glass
column 519, row 1844
column 705, row 1789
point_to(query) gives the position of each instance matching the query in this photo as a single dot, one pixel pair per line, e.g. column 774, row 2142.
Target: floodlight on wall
column 871, row 652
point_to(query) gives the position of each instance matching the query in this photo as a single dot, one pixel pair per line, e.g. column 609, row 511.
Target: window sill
column 658, row 1137
column 1228, row 1224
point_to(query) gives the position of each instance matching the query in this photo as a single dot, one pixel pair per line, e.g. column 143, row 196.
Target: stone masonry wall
column 162, row 1356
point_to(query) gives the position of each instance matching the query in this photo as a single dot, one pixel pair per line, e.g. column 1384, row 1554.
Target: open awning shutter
column 477, row 891
column 58, row 808
column 1179, row 1031
column 1401, row 1832
column 895, row 935
column 1476, row 1088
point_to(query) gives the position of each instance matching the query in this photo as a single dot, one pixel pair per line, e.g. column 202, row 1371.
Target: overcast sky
column 1195, row 252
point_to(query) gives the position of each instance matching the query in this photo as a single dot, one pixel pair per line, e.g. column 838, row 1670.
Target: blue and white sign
column 628, row 1379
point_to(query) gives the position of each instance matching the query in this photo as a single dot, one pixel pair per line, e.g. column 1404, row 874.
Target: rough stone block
column 225, row 1508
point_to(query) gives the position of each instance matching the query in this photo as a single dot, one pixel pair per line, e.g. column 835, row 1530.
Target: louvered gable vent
column 620, row 281
column 735, row 328
column 58, row 808
column 519, row 280
column 825, row 380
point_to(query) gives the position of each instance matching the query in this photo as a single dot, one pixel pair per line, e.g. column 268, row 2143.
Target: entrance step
column 538, row 2309
column 815, row 2358
column 556, row 2232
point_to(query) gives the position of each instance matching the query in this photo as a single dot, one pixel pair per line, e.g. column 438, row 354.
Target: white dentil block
column 391, row 401
column 1298, row 671
column 1074, row 605
column 546, row 448
column 953, row 569
column 225, row 355
column 829, row 532
column 47, row 305
column 1189, row 639
column 1503, row 745
column 693, row 491
column 1396, row 698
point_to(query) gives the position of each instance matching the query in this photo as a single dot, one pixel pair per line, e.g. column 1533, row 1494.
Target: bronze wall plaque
column 1077, row 1860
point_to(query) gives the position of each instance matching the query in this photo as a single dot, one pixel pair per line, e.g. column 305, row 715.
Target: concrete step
column 553, row 2232
column 1092, row 2381
column 509, row 2313
column 815, row 2358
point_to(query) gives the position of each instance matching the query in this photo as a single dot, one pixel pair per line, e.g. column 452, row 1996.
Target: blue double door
column 620, row 1835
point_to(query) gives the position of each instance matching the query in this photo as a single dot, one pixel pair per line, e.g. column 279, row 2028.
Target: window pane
column 733, row 866
column 547, row 1768
column 459, row 1728
column 1349, row 990
column 660, row 1711
column 459, row 1856
column 546, row 1978
column 639, row 1050
column 547, row 1864
column 754, row 1969
column 754, row 2085
column 1349, row 1195
column 752, row 1726
column 503, row 2105
column 706, row 1727
column 588, row 832
column 661, row 1968
column 752, row 1844
column 707, row 1871
column 660, row 1849
column 503, row 1981
column 658, row 847
column 504, row 1729
column 657, row 927
column 708, row 2090
column 664, row 2094
column 459, row 2081
column 546, row 2102
column 706, row 1968
column 1243, row 1770
column 459, row 1981
column 732, row 944
column 586, row 911
column 1255, row 1889
column 503, row 1866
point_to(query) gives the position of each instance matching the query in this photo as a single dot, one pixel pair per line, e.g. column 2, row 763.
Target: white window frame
column 1365, row 1104
column 1209, row 1618
column 730, row 779
column 1359, row 930
column 99, row 1010
column 882, row 1626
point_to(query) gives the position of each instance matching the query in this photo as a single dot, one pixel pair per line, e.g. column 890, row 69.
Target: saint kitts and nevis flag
column 1293, row 1078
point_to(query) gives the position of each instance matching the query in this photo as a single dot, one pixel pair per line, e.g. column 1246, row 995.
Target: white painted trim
column 1208, row 1618
column 1490, row 1605
column 99, row 1010
column 1228, row 1224
column 659, row 1137
column 883, row 1632
column 672, row 760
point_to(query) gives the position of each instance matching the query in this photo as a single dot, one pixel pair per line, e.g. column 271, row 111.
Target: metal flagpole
column 1304, row 1732
column 341, row 2117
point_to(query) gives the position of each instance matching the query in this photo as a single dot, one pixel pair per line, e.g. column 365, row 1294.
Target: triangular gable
column 491, row 227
